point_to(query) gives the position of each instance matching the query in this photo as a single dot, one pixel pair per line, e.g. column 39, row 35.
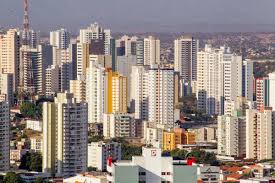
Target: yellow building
column 117, row 92
column 190, row 137
column 168, row 143
column 179, row 136
column 78, row 88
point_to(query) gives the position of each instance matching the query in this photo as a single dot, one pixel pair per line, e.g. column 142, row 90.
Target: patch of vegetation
column 31, row 110
column 31, row 162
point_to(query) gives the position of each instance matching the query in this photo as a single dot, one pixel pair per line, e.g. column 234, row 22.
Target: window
column 142, row 173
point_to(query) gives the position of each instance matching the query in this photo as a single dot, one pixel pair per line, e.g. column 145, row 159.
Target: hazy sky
column 143, row 15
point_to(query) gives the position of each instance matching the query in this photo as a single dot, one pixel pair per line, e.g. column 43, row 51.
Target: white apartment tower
column 5, row 137
column 96, row 32
column 259, row 134
column 119, row 125
column 185, row 57
column 6, row 87
column 9, row 55
column 271, row 93
column 161, row 96
column 139, row 92
column 247, row 79
column 31, row 70
column 262, row 92
column 83, row 57
column 65, row 134
column 99, row 152
column 96, row 92
column 60, row 38
column 52, row 80
column 219, row 78
column 231, row 136
column 78, row 88
column 128, row 43
column 151, row 51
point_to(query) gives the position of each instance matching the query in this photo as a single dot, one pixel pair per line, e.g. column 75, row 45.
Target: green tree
column 31, row 110
column 31, row 162
column 128, row 151
column 91, row 169
column 27, row 109
column 96, row 138
column 12, row 177
column 36, row 162
column 203, row 157
column 176, row 153
column 39, row 180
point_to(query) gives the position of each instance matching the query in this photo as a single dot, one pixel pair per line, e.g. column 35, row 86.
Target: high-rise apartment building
column 60, row 38
column 96, row 92
column 260, row 134
column 139, row 92
column 231, row 130
column 33, row 65
column 117, row 93
column 185, row 57
column 65, row 134
column 271, row 93
column 52, row 80
column 83, row 58
column 247, row 79
column 140, row 51
column 152, row 94
column 161, row 96
column 6, row 87
column 151, row 51
column 95, row 32
column 65, row 76
column 126, row 46
column 219, row 78
column 99, row 152
column 103, row 60
column 30, row 70
column 124, row 67
column 78, row 88
column 33, row 39
column 119, row 125
column 262, row 92
column 4, row 136
column 9, row 55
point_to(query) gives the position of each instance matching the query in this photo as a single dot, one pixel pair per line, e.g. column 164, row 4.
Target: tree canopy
column 200, row 155
column 12, row 177
column 31, row 110
column 31, row 162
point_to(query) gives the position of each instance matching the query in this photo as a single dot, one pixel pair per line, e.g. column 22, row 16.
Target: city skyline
column 178, row 16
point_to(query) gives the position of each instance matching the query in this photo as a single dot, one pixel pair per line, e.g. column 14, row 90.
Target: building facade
column 5, row 136
column 99, row 152
column 259, row 134
column 219, row 78
column 10, row 55
column 119, row 125
column 65, row 136
column 151, row 51
column 60, row 38
column 185, row 57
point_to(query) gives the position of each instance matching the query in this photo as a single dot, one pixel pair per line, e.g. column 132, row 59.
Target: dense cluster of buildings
column 119, row 88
